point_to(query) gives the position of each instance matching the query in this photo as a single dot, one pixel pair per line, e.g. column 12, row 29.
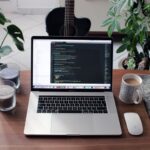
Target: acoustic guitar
column 62, row 22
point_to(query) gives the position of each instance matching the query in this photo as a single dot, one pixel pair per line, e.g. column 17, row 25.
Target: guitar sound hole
column 68, row 30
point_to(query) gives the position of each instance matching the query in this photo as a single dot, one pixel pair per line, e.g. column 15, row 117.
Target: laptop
column 71, row 88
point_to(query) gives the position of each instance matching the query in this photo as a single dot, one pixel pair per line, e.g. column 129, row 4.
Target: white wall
column 34, row 6
column 95, row 10
column 28, row 6
column 37, row 4
column 9, row 5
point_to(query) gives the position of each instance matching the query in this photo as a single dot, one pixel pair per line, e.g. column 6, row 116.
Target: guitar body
column 55, row 24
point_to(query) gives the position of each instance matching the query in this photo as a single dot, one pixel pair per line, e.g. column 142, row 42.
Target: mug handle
column 139, row 98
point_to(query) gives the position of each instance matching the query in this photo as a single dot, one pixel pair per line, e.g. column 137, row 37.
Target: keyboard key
column 72, row 104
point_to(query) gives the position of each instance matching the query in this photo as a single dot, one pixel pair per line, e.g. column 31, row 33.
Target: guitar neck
column 69, row 11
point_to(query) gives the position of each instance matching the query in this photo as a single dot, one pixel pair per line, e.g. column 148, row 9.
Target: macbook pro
column 71, row 87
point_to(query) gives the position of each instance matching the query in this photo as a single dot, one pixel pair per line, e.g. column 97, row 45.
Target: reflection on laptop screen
column 72, row 64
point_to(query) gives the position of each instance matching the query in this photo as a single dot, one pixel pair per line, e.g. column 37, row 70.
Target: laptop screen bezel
column 70, row 38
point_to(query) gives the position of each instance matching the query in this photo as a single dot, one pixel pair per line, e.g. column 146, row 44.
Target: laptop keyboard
column 71, row 104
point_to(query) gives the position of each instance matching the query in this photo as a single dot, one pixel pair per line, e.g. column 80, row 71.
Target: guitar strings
column 69, row 14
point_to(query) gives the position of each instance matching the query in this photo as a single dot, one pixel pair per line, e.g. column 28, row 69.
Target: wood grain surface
column 12, row 126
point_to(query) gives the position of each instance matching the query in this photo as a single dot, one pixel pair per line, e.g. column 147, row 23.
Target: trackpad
column 71, row 124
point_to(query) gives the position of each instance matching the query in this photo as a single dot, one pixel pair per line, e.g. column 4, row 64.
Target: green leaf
column 16, row 35
column 112, row 12
column 107, row 22
column 111, row 28
column 131, row 63
column 19, row 45
column 147, row 7
column 110, row 31
column 124, row 5
column 142, row 38
column 122, row 48
column 3, row 19
column 117, row 25
column 5, row 50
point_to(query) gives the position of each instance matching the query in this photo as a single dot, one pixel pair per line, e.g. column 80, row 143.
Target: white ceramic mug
column 131, row 89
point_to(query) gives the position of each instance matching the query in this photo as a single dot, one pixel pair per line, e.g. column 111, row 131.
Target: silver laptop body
column 71, row 67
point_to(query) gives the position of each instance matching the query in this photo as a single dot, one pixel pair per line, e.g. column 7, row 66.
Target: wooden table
column 12, row 126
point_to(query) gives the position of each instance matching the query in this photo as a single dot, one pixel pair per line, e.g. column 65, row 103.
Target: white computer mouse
column 134, row 123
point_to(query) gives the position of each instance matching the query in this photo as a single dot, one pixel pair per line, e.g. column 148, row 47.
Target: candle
column 10, row 74
column 7, row 97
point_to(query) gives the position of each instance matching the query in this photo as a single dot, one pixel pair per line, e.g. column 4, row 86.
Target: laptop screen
column 71, row 64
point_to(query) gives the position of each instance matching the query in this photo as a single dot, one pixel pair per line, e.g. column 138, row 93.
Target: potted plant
column 14, row 32
column 136, row 17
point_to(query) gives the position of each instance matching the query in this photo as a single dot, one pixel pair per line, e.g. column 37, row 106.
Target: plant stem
column 3, row 40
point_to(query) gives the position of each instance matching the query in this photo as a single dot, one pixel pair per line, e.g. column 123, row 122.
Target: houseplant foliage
column 135, row 14
column 14, row 32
